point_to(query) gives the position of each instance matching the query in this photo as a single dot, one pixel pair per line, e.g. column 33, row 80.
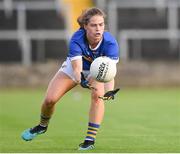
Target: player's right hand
column 84, row 83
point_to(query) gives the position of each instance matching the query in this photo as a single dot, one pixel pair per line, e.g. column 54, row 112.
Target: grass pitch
column 139, row 120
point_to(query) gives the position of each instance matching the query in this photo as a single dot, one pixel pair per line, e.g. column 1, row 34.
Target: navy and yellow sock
column 92, row 131
column 44, row 121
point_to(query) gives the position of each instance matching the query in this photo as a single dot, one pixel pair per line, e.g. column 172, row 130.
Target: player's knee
column 49, row 102
column 95, row 97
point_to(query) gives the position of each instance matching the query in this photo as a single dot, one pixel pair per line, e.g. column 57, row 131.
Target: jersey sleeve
column 112, row 51
column 74, row 49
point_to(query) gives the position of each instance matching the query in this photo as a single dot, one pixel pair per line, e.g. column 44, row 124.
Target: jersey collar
column 93, row 49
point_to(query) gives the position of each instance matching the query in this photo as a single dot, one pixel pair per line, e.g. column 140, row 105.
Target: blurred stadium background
column 34, row 38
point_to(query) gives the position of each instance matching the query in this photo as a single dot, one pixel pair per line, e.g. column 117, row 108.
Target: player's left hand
column 109, row 95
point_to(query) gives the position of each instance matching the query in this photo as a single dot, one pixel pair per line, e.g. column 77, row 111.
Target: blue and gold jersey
column 79, row 47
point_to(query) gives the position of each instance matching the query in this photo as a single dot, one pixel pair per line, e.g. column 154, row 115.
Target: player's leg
column 59, row 85
column 109, row 85
column 96, row 114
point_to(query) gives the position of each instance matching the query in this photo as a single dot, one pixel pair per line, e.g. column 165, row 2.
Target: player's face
column 95, row 28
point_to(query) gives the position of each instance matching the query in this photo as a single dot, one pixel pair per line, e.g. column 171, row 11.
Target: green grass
column 139, row 120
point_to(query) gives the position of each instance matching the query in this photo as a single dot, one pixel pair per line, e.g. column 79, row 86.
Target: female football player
column 86, row 44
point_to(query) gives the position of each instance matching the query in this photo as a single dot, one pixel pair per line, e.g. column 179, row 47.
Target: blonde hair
column 85, row 16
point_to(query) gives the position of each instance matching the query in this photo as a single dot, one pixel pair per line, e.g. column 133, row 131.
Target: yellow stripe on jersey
column 87, row 58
